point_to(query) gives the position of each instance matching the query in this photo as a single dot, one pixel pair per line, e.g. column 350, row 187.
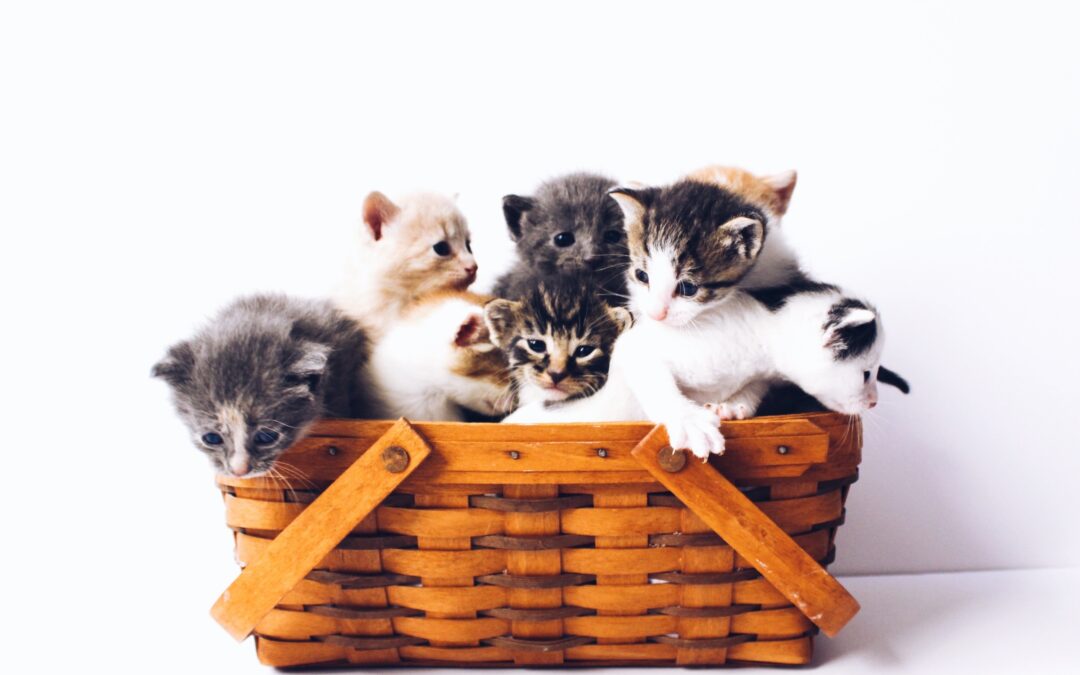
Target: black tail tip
column 886, row 376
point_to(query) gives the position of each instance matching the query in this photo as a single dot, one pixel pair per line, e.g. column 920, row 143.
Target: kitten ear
column 378, row 211
column 514, row 207
column 310, row 366
column 856, row 316
column 500, row 316
column 177, row 365
column 850, row 330
column 474, row 333
column 633, row 202
column 783, row 184
column 621, row 316
column 742, row 235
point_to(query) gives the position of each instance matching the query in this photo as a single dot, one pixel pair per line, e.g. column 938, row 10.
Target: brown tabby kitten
column 558, row 339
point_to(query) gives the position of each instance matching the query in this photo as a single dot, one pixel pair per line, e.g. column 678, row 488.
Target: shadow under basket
column 443, row 544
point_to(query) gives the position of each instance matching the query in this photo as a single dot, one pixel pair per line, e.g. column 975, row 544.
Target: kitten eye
column 865, row 376
column 686, row 288
column 583, row 351
column 442, row 248
column 468, row 245
column 641, row 276
column 612, row 236
column 212, row 439
column 564, row 239
column 266, row 437
column 537, row 346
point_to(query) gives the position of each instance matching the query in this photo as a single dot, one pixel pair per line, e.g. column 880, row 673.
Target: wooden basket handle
column 319, row 528
column 754, row 535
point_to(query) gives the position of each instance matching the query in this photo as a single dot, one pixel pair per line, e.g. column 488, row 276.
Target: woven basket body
column 545, row 545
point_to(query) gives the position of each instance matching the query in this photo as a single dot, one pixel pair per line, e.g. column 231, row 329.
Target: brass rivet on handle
column 783, row 449
column 332, row 451
column 601, row 452
column 514, row 454
column 670, row 459
column 395, row 459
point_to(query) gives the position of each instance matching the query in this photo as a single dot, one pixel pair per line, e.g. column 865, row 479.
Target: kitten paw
column 696, row 429
column 729, row 410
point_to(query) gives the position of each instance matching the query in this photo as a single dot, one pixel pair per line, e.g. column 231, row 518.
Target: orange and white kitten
column 438, row 358
column 404, row 250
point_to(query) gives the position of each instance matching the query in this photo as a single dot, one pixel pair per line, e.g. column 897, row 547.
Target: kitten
column 437, row 359
column 827, row 343
column 558, row 339
column 691, row 244
column 568, row 227
column 405, row 251
column 249, row 384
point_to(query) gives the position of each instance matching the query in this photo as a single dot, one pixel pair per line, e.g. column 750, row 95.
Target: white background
column 158, row 160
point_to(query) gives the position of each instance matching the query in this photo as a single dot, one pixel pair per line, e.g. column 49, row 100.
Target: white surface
column 157, row 160
column 962, row 622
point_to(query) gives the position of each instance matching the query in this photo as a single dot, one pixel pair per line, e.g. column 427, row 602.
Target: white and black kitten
column 250, row 383
column 568, row 227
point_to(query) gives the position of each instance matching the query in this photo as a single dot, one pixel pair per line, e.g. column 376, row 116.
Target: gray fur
column 577, row 203
column 282, row 362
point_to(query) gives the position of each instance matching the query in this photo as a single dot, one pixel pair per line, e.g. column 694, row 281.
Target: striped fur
column 558, row 339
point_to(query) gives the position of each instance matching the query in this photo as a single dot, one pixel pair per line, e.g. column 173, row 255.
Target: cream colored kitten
column 404, row 251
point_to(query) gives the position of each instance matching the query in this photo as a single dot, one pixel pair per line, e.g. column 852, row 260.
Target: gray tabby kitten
column 558, row 339
column 569, row 227
column 251, row 382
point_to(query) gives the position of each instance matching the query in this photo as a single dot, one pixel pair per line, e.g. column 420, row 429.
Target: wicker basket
column 468, row 544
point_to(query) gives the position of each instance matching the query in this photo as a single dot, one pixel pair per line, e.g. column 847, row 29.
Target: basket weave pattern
column 521, row 561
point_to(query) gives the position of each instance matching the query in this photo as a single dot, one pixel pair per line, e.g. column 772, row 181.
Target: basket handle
column 753, row 534
column 319, row 528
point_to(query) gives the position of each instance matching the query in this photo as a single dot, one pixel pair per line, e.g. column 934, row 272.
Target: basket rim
column 819, row 446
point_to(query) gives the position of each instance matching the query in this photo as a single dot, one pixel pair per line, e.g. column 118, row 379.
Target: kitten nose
column 557, row 377
column 871, row 404
column 658, row 313
column 238, row 468
column 470, row 271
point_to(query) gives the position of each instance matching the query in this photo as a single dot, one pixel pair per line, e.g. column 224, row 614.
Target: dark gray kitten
column 569, row 227
column 251, row 382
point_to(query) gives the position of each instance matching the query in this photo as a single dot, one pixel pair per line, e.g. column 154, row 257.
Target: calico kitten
column 249, row 384
column 558, row 339
column 825, row 342
column 691, row 244
column 568, row 227
column 437, row 362
column 404, row 251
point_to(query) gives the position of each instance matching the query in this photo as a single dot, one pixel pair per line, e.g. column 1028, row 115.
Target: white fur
column 232, row 420
column 689, row 375
column 411, row 367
